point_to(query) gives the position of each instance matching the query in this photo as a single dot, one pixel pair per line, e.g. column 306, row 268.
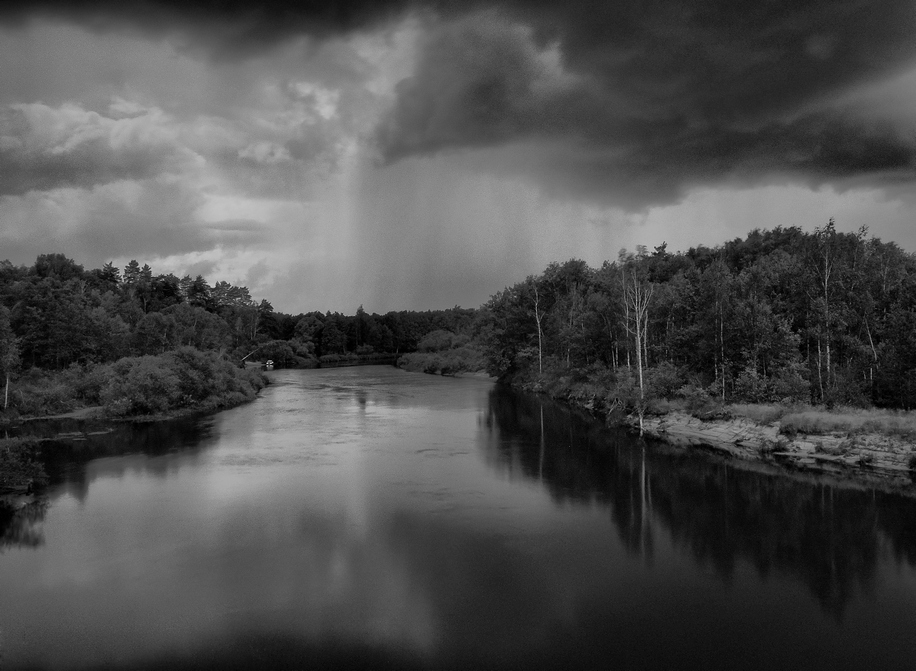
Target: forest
column 780, row 316
column 139, row 343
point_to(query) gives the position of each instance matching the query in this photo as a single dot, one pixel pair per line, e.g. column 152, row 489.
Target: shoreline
column 859, row 457
column 865, row 458
column 96, row 415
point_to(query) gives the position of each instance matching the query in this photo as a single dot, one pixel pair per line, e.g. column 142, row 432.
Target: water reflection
column 19, row 528
column 832, row 537
column 378, row 519
column 74, row 452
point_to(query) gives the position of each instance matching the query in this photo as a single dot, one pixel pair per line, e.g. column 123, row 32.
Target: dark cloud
column 91, row 165
column 626, row 102
column 633, row 103
column 225, row 28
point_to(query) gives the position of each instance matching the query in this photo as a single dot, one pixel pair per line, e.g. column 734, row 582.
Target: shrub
column 624, row 393
column 751, row 387
column 699, row 403
column 663, row 380
column 88, row 382
column 789, row 385
column 183, row 378
column 141, row 385
column 436, row 341
column 39, row 393
column 445, row 362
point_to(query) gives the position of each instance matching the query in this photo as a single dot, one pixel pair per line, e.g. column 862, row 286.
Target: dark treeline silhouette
column 782, row 315
column 163, row 337
column 60, row 314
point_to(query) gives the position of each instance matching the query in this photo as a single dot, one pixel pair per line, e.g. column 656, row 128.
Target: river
column 369, row 517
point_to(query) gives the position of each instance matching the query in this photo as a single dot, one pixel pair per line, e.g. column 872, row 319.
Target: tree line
column 779, row 316
column 57, row 316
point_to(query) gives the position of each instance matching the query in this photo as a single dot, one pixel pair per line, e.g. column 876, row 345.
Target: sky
column 411, row 154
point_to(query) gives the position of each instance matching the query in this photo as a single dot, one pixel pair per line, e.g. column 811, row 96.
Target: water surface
column 372, row 517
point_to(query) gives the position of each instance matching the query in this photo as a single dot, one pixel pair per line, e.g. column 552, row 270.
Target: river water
column 368, row 517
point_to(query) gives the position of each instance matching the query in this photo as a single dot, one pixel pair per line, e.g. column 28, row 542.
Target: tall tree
column 9, row 353
column 638, row 294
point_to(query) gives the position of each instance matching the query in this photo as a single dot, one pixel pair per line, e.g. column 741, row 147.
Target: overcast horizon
column 420, row 155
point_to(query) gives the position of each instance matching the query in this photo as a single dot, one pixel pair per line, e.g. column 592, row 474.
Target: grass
column 850, row 421
column 761, row 413
column 818, row 421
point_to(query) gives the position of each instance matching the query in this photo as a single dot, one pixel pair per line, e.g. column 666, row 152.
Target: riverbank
column 178, row 383
column 869, row 446
column 868, row 455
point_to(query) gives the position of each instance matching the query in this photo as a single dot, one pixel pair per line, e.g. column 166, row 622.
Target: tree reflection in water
column 829, row 536
column 20, row 528
column 68, row 445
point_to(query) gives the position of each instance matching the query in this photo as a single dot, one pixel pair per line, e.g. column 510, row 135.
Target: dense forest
column 780, row 316
column 130, row 340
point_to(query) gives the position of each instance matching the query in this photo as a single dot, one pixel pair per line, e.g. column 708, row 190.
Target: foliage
column 436, row 341
column 782, row 316
column 448, row 361
column 183, row 379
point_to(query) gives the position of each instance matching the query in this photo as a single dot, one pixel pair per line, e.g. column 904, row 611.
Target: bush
column 142, row 386
column 751, row 387
column 846, row 391
column 623, row 392
column 699, row 403
column 789, row 385
column 436, row 341
column 663, row 380
column 786, row 386
column 182, row 379
column 39, row 393
column 445, row 362
column 88, row 382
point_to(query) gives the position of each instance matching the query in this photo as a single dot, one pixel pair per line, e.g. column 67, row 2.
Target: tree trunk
column 537, row 318
column 637, row 297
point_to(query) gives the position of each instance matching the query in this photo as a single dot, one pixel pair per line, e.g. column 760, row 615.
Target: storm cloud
column 385, row 150
column 634, row 103
column 630, row 103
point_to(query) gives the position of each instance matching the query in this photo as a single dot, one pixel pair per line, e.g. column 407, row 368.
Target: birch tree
column 637, row 296
column 9, row 353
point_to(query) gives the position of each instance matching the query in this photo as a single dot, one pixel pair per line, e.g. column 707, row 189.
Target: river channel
column 368, row 517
